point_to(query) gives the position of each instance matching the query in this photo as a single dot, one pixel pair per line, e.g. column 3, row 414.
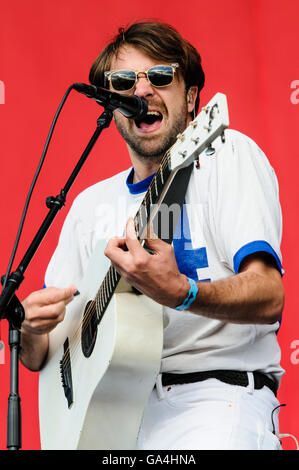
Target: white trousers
column 210, row 415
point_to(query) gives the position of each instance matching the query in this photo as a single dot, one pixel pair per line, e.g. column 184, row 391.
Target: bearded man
column 221, row 290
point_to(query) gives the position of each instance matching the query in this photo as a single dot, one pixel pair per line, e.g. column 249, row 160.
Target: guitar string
column 88, row 314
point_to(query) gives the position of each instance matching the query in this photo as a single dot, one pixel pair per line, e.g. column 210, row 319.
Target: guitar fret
column 156, row 187
column 140, row 217
column 152, row 192
column 112, row 276
column 101, row 302
column 115, row 274
column 104, row 289
column 149, row 210
column 136, row 225
column 98, row 297
column 107, row 287
column 146, row 210
column 98, row 307
column 150, row 195
column 109, row 282
column 161, row 174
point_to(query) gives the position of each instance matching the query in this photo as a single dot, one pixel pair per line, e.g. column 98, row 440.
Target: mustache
column 158, row 105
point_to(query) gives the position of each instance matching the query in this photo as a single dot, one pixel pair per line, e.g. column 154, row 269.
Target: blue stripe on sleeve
column 255, row 247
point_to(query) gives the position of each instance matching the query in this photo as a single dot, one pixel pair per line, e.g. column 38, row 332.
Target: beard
column 151, row 147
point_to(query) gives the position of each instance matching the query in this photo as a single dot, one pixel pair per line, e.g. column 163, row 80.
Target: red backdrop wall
column 249, row 53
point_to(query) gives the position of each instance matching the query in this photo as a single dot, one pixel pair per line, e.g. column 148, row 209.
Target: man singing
column 220, row 282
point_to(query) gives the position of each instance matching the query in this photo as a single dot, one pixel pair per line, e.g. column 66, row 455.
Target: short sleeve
column 244, row 197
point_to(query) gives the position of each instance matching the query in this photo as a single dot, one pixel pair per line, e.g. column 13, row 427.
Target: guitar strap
column 168, row 215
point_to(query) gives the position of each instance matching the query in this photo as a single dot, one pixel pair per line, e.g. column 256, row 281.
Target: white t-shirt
column 231, row 210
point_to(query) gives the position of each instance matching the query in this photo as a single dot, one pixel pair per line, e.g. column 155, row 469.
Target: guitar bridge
column 66, row 373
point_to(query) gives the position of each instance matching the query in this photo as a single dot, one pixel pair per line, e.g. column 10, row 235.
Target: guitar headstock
column 208, row 125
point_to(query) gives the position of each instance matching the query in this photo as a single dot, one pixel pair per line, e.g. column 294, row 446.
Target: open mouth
column 150, row 123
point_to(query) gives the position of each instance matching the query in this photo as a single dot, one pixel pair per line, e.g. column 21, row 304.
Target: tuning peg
column 183, row 154
column 210, row 150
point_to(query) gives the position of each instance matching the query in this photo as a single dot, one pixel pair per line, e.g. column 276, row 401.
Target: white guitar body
column 98, row 401
column 112, row 386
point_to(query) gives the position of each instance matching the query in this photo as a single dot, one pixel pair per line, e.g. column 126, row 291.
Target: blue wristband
column 190, row 297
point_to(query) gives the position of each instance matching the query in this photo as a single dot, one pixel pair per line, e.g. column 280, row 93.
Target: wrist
column 190, row 290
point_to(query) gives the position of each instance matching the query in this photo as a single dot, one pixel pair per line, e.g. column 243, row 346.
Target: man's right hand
column 44, row 309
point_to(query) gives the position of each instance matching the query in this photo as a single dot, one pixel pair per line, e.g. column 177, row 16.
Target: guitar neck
column 153, row 197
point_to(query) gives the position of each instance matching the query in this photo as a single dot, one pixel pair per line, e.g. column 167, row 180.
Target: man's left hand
column 155, row 275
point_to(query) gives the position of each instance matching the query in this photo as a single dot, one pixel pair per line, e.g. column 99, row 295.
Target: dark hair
column 159, row 41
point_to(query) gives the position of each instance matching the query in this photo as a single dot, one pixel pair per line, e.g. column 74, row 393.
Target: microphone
column 131, row 106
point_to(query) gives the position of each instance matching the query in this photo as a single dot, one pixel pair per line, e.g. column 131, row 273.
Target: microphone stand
column 10, row 306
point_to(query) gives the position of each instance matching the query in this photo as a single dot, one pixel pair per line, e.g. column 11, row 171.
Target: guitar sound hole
column 89, row 329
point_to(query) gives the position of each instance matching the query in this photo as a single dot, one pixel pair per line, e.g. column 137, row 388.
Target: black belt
column 232, row 377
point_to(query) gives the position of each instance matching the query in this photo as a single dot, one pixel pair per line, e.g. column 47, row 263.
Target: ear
column 191, row 98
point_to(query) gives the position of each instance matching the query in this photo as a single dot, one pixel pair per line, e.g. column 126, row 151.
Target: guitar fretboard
column 152, row 196
column 105, row 292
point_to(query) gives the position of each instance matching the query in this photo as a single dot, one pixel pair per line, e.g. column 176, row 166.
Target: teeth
column 153, row 113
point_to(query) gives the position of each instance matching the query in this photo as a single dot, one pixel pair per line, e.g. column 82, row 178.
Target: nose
column 143, row 88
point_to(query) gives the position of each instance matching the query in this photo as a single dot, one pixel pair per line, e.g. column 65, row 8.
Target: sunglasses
column 158, row 76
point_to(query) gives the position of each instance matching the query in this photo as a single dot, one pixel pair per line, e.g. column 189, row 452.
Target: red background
column 249, row 53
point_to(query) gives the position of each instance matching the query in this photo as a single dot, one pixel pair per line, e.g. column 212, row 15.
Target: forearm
column 247, row 297
column 34, row 350
column 254, row 295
